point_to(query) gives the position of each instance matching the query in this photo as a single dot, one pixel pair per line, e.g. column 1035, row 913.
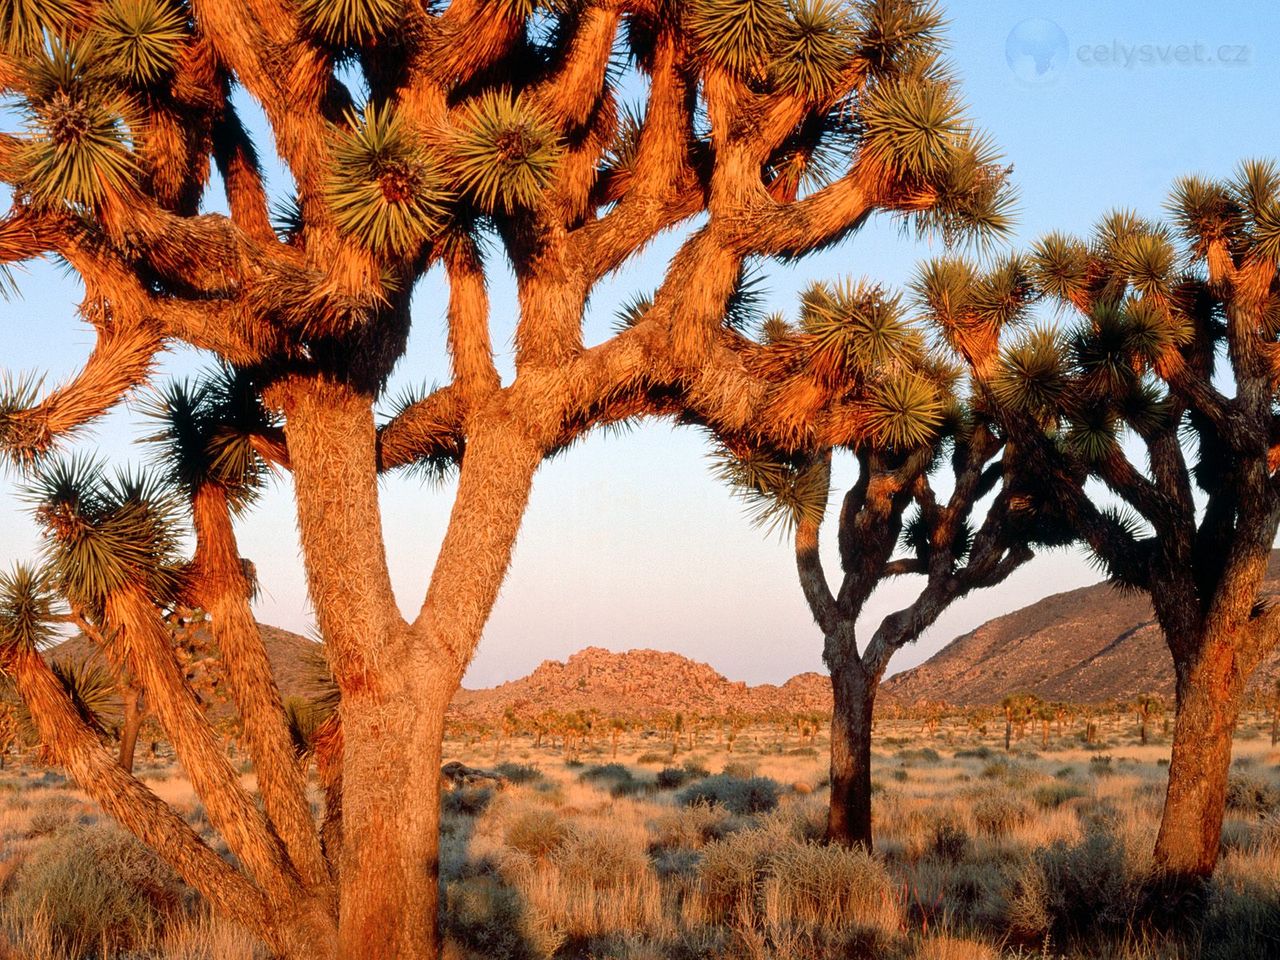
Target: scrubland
column 1040, row 852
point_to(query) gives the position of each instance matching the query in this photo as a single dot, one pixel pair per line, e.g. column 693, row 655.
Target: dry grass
column 1041, row 854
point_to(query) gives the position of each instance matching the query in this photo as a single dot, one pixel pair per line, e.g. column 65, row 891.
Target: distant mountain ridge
column 1090, row 645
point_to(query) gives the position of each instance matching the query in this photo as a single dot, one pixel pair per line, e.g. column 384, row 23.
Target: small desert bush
column 466, row 801
column 1252, row 795
column 997, row 814
column 739, row 795
column 919, row 755
column 488, row 917
column 95, row 886
column 689, row 828
column 1050, row 796
column 650, row 758
column 950, row 841
column 536, row 833
column 518, row 773
column 829, row 888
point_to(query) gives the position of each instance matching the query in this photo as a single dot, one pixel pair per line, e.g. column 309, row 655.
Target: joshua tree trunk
column 131, row 698
column 849, row 815
column 1208, row 704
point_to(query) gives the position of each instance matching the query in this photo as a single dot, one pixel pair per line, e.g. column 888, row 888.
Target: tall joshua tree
column 417, row 136
column 897, row 519
column 1175, row 346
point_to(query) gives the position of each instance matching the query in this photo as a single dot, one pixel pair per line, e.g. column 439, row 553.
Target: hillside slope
column 1088, row 645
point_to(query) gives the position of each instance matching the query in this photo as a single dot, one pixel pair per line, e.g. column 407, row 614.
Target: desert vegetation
column 167, row 800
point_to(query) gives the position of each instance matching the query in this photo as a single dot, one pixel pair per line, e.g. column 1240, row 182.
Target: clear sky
column 628, row 541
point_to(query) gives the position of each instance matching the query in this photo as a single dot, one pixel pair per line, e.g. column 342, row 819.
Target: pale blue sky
column 628, row 540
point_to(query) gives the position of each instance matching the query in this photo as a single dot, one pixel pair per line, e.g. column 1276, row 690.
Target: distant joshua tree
column 1147, row 707
column 1170, row 318
column 893, row 521
column 415, row 137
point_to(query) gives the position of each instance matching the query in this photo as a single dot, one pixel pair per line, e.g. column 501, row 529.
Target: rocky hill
column 643, row 683
column 1089, row 645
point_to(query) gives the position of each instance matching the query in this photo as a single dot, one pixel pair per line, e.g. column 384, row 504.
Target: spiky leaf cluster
column 1033, row 377
column 504, row 153
column 897, row 37
column 139, row 39
column 79, row 147
column 351, row 22
column 778, row 493
column 852, row 330
column 903, row 412
column 816, row 46
column 913, row 127
column 737, row 35
column 24, row 23
column 206, row 436
column 917, row 537
column 28, row 608
column 92, row 691
column 104, row 534
column 384, row 190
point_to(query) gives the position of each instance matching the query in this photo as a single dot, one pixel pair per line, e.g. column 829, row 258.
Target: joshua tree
column 1147, row 707
column 855, row 332
column 1171, row 318
column 416, row 136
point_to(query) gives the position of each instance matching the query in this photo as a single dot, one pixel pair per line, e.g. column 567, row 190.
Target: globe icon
column 1036, row 50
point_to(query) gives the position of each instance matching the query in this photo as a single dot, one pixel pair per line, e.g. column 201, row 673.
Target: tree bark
column 131, row 698
column 1208, row 704
column 849, row 814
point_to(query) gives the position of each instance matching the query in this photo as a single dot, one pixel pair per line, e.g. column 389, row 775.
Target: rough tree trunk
column 131, row 698
column 849, row 815
column 1208, row 704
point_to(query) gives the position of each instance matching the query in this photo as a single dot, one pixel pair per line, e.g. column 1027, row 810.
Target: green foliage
column 897, row 36
column 140, row 39
column 92, row 691
column 206, row 435
column 738, row 795
column 914, row 128
column 104, row 534
column 1032, row 378
column 504, row 153
column 28, row 607
column 903, row 412
column 814, row 49
column 24, row 23
column 384, row 190
column 79, row 147
column 351, row 22
column 854, row 328
column 778, row 494
column 737, row 35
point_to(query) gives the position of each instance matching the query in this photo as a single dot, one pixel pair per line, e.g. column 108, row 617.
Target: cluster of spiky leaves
column 29, row 604
column 80, row 143
column 24, row 24
column 853, row 330
column 504, row 152
column 738, row 36
column 1240, row 216
column 779, row 493
column 139, row 39
column 105, row 533
column 92, row 690
column 385, row 190
column 351, row 22
column 815, row 47
column 206, row 435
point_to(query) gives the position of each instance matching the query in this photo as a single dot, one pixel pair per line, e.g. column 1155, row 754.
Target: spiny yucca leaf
column 104, row 534
column 1258, row 184
column 140, row 39
column 1129, row 545
column 774, row 328
column 778, row 494
column 1093, row 438
column 28, row 608
column 737, row 35
column 815, row 49
column 903, row 412
column 1101, row 351
column 1151, row 330
column 632, row 311
column 918, row 538
column 286, row 217
column 206, row 435
column 854, row 327
column 1119, row 226
column 1031, row 377
column 80, row 143
column 1146, row 259
column 18, row 393
column 24, row 23
column 504, row 153
column 1204, row 211
column 352, row 22
column 974, row 195
column 621, row 155
column 1144, row 408
column 92, row 691
column 743, row 308
column 944, row 286
column 913, row 127
column 1060, row 265
column 895, row 35
column 384, row 189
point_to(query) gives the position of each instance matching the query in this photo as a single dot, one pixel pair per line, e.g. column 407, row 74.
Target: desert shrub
column 1252, row 795
column 900, row 775
column 676, row 862
column 818, row 887
column 1242, row 920
column 601, row 859
column 1008, row 771
column 998, row 813
column 732, row 872
column 696, row 768
column 669, row 778
column 920, row 755
column 648, row 758
column 802, row 752
column 1100, row 766
column 466, row 801
column 518, row 772
column 50, row 814
column 975, row 753
column 537, row 833
column 1073, row 889
column 737, row 794
column 689, row 827
column 950, row 841
column 1064, row 773
column 606, row 773
column 1050, row 796
column 744, row 769
column 488, row 917
column 97, row 886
